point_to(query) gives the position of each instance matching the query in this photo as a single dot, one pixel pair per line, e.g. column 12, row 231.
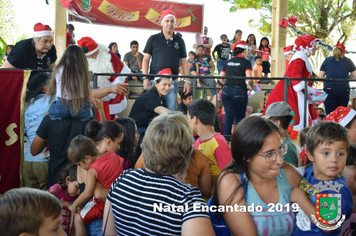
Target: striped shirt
column 145, row 203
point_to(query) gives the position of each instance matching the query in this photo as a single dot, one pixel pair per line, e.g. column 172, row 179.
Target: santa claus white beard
column 102, row 64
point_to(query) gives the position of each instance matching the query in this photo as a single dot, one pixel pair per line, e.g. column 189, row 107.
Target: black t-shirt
column 183, row 108
column 165, row 53
column 143, row 109
column 59, row 134
column 223, row 51
column 237, row 66
column 23, row 56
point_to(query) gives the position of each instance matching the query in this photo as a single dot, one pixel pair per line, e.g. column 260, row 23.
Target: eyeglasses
column 271, row 156
column 169, row 43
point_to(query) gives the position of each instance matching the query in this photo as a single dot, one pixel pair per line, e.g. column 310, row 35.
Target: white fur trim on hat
column 168, row 15
column 348, row 118
column 43, row 33
column 92, row 52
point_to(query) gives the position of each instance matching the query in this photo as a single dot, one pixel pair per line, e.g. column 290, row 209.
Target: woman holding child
column 257, row 176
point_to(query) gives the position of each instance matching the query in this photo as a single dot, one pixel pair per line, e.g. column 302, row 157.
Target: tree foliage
column 8, row 27
column 322, row 18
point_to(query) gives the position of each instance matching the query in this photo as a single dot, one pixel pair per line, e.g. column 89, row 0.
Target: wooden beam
column 279, row 38
column 60, row 28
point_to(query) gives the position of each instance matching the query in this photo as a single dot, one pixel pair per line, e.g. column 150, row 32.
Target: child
column 67, row 190
column 128, row 144
column 7, row 52
column 262, row 105
column 186, row 100
column 223, row 51
column 71, row 86
column 251, row 53
column 327, row 146
column 102, row 167
column 348, row 227
column 201, row 116
column 264, row 52
column 193, row 65
column 302, row 141
column 28, row 211
column 257, row 68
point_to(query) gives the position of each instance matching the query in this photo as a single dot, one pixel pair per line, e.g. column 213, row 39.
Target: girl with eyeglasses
column 257, row 177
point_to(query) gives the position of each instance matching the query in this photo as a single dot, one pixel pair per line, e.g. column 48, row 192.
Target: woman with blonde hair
column 152, row 196
column 337, row 67
column 70, row 86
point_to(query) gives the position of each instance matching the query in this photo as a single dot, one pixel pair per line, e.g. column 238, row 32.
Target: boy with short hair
column 327, row 146
column 101, row 167
column 186, row 100
column 28, row 211
column 257, row 68
column 281, row 114
column 201, row 116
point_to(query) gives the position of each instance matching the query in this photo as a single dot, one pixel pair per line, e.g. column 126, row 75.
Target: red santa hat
column 89, row 45
column 240, row 44
column 168, row 13
column 166, row 71
column 41, row 30
column 341, row 46
column 341, row 115
column 288, row 49
column 306, row 42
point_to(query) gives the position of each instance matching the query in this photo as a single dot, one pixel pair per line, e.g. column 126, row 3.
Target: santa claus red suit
column 299, row 67
column 101, row 60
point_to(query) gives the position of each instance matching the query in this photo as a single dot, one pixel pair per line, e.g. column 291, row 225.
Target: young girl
column 251, row 53
column 66, row 190
column 71, row 86
column 265, row 52
column 302, row 141
column 223, row 51
column 194, row 69
column 129, row 142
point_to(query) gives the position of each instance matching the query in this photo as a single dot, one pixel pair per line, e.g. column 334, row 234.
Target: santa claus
column 101, row 60
column 299, row 67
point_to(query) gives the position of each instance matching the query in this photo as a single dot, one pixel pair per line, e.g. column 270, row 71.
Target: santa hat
column 341, row 115
column 341, row 46
column 306, row 42
column 288, row 49
column 165, row 71
column 168, row 13
column 240, row 44
column 89, row 45
column 41, row 30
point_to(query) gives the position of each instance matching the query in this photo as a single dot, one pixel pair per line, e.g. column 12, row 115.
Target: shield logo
column 328, row 207
column 176, row 46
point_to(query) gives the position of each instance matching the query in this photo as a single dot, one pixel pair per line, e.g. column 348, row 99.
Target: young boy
column 102, row 167
column 28, row 211
column 201, row 116
column 257, row 68
column 327, row 146
column 186, row 100
column 193, row 65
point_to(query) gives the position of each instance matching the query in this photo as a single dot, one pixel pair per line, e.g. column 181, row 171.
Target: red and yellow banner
column 136, row 14
column 12, row 94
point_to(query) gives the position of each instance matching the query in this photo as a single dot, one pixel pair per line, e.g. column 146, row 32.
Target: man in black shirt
column 166, row 49
column 34, row 53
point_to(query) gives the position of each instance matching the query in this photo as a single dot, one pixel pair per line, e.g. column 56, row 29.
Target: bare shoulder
column 293, row 176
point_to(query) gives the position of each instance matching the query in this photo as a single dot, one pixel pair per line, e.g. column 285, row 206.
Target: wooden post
column 60, row 28
column 279, row 38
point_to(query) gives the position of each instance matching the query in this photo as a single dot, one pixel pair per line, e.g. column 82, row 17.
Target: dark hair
column 322, row 116
column 285, row 121
column 254, row 40
column 70, row 26
column 204, row 110
column 326, row 132
column 191, row 52
column 269, row 91
column 80, row 147
column 247, row 140
column 127, row 145
column 303, row 136
column 238, row 51
column 261, row 46
column 69, row 170
column 227, row 39
column 200, row 46
column 184, row 96
column 138, row 149
column 134, row 42
column 258, row 57
column 8, row 46
column 237, row 31
column 98, row 131
column 112, row 44
column 351, row 157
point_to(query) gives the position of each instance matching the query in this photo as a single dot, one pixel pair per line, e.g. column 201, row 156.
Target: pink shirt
column 264, row 54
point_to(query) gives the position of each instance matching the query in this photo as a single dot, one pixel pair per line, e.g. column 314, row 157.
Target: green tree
column 322, row 18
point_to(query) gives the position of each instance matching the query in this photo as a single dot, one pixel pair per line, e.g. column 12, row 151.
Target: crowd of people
column 165, row 168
